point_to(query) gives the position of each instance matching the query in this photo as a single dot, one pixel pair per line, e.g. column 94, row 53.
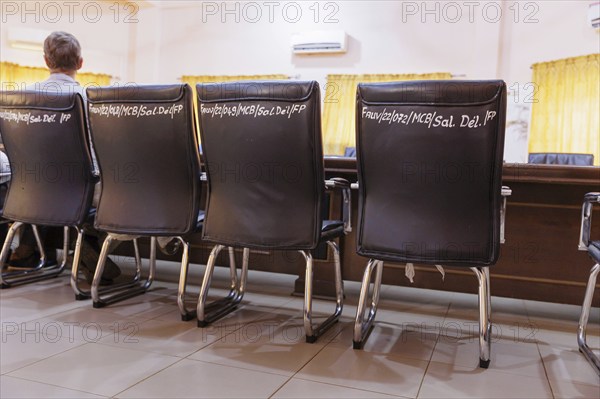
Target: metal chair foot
column 203, row 323
column 485, row 310
column 361, row 344
column 188, row 316
column 43, row 271
column 82, row 297
column 583, row 320
column 123, row 291
column 484, row 364
column 362, row 326
column 314, row 332
column 208, row 313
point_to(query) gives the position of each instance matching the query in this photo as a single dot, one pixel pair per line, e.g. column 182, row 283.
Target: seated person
column 62, row 54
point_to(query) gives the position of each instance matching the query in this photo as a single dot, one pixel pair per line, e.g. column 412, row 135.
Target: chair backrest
column 45, row 138
column 429, row 159
column 147, row 151
column 264, row 158
column 551, row 158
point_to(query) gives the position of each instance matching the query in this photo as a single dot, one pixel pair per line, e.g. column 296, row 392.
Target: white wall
column 172, row 38
column 378, row 42
column 105, row 43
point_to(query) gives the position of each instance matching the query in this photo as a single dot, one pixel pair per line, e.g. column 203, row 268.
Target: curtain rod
column 288, row 76
column 298, row 76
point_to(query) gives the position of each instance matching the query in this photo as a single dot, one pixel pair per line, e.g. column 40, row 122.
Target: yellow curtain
column 14, row 74
column 192, row 80
column 564, row 114
column 340, row 102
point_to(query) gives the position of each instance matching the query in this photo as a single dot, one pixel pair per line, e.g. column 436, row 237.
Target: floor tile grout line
column 282, row 305
column 304, row 365
column 147, row 377
column 352, row 388
column 545, row 370
column 46, row 383
column 46, row 358
column 431, row 356
column 236, row 367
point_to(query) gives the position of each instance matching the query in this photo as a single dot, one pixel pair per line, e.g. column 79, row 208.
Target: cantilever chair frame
column 207, row 313
column 114, row 238
column 584, row 241
column 313, row 230
column 414, row 94
column 364, row 325
column 41, row 271
column 125, row 290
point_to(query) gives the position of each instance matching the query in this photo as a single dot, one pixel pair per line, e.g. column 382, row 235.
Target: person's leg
column 24, row 255
column 90, row 252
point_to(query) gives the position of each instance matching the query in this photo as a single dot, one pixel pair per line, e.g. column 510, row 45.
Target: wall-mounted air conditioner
column 594, row 15
column 319, row 42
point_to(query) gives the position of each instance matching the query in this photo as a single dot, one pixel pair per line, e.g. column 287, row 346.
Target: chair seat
column 331, row 229
column 594, row 250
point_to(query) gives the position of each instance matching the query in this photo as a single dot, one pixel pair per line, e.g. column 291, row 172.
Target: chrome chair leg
column 38, row 273
column 5, row 249
column 186, row 314
column 485, row 311
column 80, row 293
column 362, row 327
column 126, row 290
column 583, row 320
column 314, row 332
column 83, row 293
column 208, row 313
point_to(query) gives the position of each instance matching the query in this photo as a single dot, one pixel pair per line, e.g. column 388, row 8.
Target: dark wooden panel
column 539, row 261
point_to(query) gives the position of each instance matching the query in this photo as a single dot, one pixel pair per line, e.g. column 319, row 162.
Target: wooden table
column 539, row 260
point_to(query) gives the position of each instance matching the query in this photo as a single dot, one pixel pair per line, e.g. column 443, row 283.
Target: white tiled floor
column 424, row 345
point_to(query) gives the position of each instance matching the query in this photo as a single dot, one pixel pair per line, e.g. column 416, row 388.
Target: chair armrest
column 506, row 192
column 344, row 185
column 586, row 219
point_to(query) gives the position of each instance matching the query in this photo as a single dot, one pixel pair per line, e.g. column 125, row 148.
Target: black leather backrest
column 550, row 158
column 45, row 138
column 262, row 147
column 147, row 152
column 430, row 167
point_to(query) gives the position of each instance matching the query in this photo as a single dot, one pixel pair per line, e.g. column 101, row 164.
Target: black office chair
column 263, row 151
column 51, row 184
column 147, row 151
column 593, row 249
column 550, row 158
column 429, row 170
